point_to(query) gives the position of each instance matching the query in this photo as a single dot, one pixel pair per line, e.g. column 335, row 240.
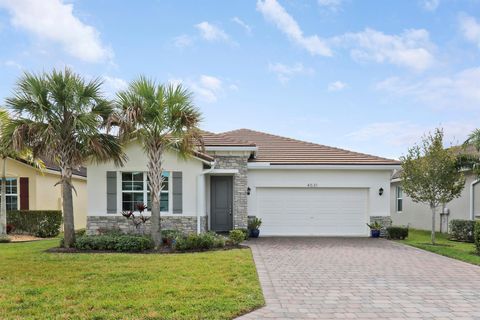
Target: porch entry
column 221, row 203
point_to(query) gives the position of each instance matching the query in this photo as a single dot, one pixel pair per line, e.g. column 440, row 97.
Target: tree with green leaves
column 59, row 117
column 469, row 155
column 162, row 117
column 6, row 152
column 430, row 174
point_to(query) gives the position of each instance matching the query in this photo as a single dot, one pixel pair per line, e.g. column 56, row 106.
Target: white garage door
column 312, row 211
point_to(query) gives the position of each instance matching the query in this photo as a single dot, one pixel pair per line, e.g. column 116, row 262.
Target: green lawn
column 39, row 285
column 453, row 249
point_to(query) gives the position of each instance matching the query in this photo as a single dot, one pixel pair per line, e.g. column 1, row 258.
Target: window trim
column 13, row 194
column 144, row 191
column 398, row 198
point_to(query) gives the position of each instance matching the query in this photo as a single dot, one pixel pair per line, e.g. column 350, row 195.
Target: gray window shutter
column 111, row 192
column 177, row 191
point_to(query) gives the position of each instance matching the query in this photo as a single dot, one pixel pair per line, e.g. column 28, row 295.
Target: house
column 29, row 188
column 297, row 188
column 405, row 212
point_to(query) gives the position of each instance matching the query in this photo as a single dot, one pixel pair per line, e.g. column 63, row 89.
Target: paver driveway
column 328, row 278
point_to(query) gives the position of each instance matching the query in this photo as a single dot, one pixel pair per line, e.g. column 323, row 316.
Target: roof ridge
column 308, row 142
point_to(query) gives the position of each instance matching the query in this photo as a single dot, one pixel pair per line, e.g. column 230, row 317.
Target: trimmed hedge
column 40, row 223
column 476, row 235
column 203, row 241
column 237, row 236
column 462, row 230
column 397, row 233
column 121, row 243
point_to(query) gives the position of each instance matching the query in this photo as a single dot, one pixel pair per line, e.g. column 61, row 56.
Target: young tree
column 6, row 151
column 162, row 117
column 430, row 174
column 59, row 116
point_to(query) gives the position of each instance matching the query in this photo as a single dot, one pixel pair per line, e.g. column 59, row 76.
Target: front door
column 221, row 217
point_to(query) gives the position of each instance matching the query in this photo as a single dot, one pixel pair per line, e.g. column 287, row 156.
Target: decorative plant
column 137, row 220
column 375, row 225
column 255, row 223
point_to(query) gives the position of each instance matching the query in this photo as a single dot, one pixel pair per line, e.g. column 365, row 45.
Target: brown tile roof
column 211, row 139
column 280, row 150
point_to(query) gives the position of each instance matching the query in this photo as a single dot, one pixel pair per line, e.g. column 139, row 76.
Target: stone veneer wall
column 385, row 221
column 240, row 185
column 185, row 224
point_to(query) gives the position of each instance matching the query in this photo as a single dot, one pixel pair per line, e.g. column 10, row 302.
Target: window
column 399, row 198
column 12, row 194
column 135, row 190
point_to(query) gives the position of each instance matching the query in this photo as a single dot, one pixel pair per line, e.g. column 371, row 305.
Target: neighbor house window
column 135, row 191
column 11, row 194
column 399, row 198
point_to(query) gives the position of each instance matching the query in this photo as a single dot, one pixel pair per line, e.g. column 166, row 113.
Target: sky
column 369, row 76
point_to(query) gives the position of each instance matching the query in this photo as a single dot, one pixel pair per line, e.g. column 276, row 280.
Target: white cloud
column 285, row 73
column 182, row 41
column 54, row 21
column 211, row 32
column 470, row 29
column 405, row 134
column 245, row 26
column 275, row 13
column 412, row 48
column 207, row 88
column 112, row 85
column 332, row 5
column 13, row 64
column 430, row 5
column 460, row 90
column 336, row 86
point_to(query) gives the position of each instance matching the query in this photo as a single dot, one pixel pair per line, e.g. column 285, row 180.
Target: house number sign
column 312, row 185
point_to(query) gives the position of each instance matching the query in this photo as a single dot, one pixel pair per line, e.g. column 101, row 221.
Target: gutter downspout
column 201, row 198
column 472, row 198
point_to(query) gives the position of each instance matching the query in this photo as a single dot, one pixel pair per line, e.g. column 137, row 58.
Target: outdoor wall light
column 248, row 191
column 380, row 191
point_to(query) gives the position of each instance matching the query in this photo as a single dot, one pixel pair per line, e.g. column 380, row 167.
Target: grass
column 458, row 250
column 39, row 285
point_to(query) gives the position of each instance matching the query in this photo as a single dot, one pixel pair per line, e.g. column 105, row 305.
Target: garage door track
column 355, row 278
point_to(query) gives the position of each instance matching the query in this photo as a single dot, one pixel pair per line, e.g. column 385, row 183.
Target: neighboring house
column 417, row 215
column 295, row 187
column 29, row 188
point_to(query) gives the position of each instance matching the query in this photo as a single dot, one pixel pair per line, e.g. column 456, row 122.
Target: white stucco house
column 297, row 188
column 405, row 212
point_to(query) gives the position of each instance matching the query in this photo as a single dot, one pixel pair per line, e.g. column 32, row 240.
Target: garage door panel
column 303, row 211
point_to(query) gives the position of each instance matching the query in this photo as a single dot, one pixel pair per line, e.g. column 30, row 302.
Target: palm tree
column 59, row 117
column 468, row 159
column 6, row 151
column 163, row 117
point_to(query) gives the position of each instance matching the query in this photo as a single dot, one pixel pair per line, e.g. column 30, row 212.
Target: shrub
column 40, row 223
column 4, row 239
column 476, row 235
column 236, row 236
column 462, row 230
column 121, row 243
column 169, row 235
column 397, row 233
column 10, row 228
column 80, row 232
column 245, row 232
column 202, row 241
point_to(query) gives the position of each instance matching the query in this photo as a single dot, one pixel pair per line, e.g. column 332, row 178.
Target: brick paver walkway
column 343, row 278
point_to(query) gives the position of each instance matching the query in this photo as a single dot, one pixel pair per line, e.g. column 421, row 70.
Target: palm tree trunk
column 3, row 205
column 155, row 180
column 433, row 224
column 67, row 207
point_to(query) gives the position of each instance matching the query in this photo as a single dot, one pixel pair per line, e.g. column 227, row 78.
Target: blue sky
column 370, row 76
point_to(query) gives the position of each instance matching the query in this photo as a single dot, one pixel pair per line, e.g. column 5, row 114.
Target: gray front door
column 221, row 203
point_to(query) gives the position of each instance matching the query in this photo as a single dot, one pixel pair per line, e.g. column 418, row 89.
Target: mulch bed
column 23, row 238
column 163, row 250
